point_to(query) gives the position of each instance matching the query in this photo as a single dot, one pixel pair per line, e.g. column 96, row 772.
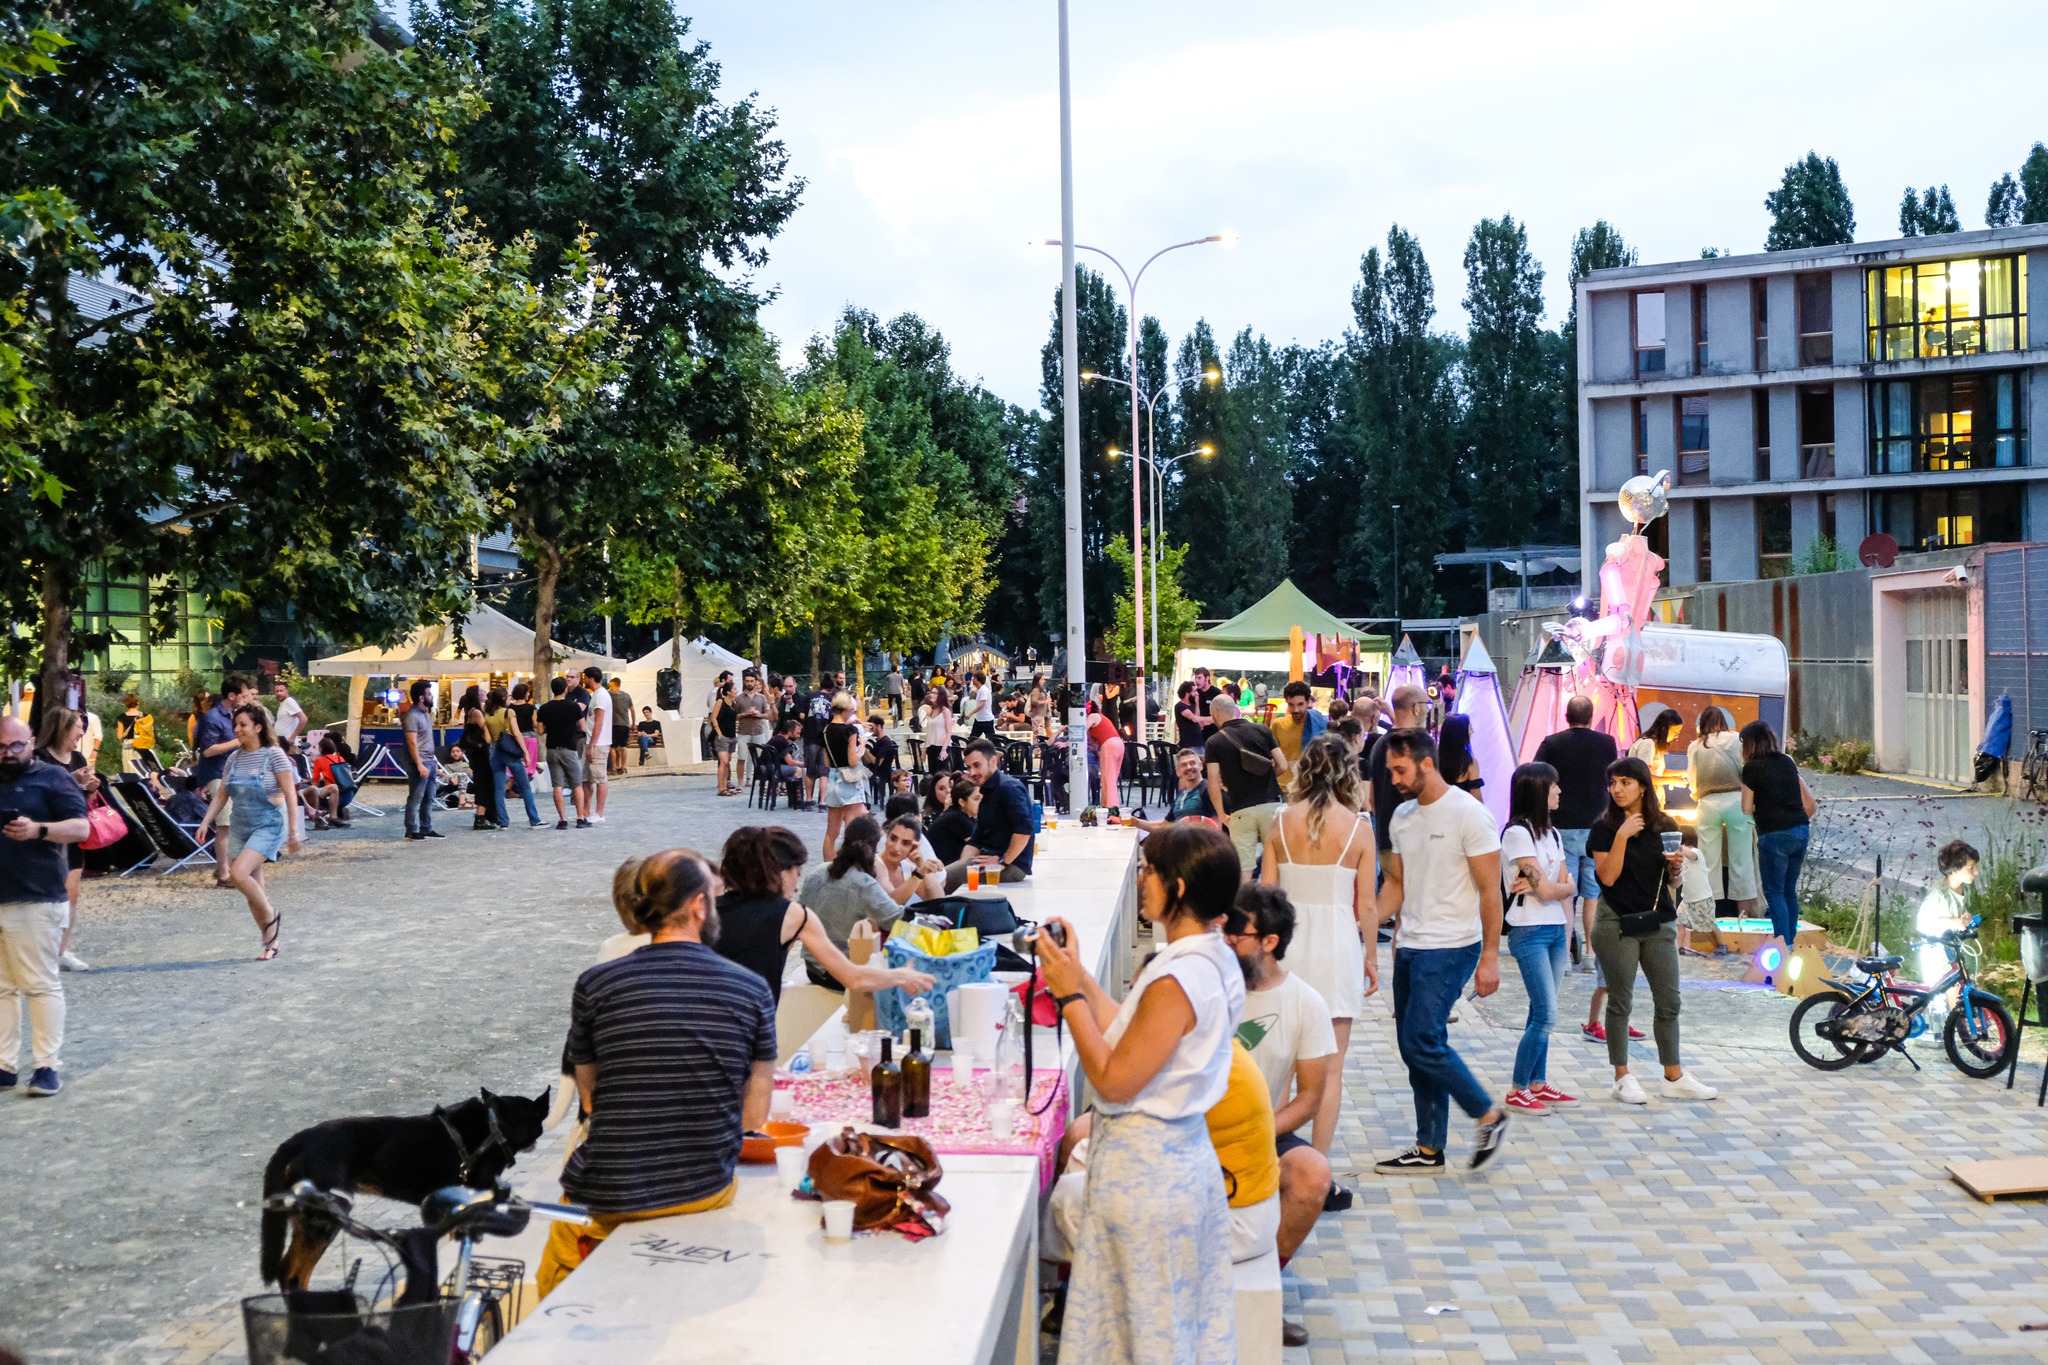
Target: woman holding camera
column 1151, row 1279
column 1634, row 924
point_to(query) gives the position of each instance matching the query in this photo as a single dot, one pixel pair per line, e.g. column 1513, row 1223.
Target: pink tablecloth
column 957, row 1123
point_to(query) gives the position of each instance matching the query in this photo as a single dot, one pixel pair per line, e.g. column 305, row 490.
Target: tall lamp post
column 1070, row 393
column 1131, row 283
column 1159, row 501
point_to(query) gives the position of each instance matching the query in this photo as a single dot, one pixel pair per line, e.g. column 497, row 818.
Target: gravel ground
column 412, row 974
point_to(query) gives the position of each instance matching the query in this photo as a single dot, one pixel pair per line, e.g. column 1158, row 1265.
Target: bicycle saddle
column 1878, row 966
column 453, row 1204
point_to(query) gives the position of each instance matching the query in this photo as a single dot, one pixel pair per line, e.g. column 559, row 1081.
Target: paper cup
column 791, row 1164
column 838, row 1220
column 1673, row 841
column 783, row 1105
column 963, row 1069
column 1002, row 1119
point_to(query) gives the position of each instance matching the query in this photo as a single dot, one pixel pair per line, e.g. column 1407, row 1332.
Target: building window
column 1940, row 518
column 124, row 612
column 1760, row 425
column 1699, row 329
column 1944, row 422
column 1640, row 415
column 1773, row 537
column 1817, row 432
column 1702, row 542
column 1649, row 323
column 1816, row 320
column 1760, row 312
column 1692, row 439
column 1948, row 308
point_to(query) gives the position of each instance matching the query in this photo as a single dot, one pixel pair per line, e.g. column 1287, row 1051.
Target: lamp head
column 1212, row 375
column 1114, row 453
column 1225, row 238
column 1087, row 375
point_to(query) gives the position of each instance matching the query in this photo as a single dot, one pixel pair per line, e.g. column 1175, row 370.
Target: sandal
column 270, row 932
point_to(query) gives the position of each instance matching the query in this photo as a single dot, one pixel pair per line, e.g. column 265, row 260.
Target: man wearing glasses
column 41, row 810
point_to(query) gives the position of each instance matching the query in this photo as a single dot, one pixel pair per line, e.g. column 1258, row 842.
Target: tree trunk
column 547, row 579
column 859, row 683
column 815, row 646
column 56, row 642
column 675, row 644
column 757, row 655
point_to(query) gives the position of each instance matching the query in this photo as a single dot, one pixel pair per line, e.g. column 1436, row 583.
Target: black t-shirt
column 881, row 754
column 839, row 744
column 1005, row 814
column 1581, row 756
column 30, row 869
column 813, row 716
column 949, row 834
column 524, row 711
column 1245, row 783
column 725, row 717
column 1188, row 732
column 1774, row 779
column 559, row 719
column 1384, row 797
column 750, row 933
column 777, row 751
column 1642, row 883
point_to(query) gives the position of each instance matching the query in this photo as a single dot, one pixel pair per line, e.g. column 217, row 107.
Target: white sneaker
column 597, row 819
column 1686, row 1088
column 71, row 962
column 1629, row 1090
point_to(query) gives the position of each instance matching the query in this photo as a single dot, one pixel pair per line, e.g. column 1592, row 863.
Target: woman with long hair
column 1655, row 742
column 1454, row 745
column 1539, row 902
column 1727, row 832
column 507, row 754
column 937, row 791
column 1151, row 1277
column 725, row 719
column 845, row 891
column 260, row 780
column 1107, row 740
column 475, row 744
column 938, row 727
column 62, row 743
column 1632, row 925
column 846, row 788
column 1322, row 854
column 950, row 832
column 1038, row 707
column 1777, row 798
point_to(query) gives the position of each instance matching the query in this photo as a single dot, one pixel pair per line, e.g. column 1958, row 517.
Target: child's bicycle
column 1860, row 1021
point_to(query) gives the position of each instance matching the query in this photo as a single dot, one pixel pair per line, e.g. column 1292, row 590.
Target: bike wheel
column 1982, row 1050
column 1823, row 1053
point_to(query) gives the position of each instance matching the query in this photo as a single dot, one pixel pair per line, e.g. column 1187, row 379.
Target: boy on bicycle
column 1944, row 909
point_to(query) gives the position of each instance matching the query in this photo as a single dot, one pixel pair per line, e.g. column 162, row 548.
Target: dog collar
column 466, row 1160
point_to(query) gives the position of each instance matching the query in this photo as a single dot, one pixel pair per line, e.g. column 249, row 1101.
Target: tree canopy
column 1810, row 207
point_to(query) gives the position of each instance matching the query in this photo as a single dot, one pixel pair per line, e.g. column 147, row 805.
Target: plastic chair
column 760, row 790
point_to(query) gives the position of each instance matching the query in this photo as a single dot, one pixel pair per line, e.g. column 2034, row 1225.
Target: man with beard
column 1443, row 877
column 43, row 810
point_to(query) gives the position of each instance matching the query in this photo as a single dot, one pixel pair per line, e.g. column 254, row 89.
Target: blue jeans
column 419, row 800
column 1779, row 855
column 1539, row 951
column 502, row 767
column 1427, row 982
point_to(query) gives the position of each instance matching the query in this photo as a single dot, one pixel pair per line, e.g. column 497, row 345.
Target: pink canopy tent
column 1479, row 701
column 1540, row 697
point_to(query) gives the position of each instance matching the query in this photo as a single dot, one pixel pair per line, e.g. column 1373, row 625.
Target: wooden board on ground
column 2013, row 1176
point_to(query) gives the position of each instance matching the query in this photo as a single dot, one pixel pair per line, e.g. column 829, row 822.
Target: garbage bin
column 2032, row 927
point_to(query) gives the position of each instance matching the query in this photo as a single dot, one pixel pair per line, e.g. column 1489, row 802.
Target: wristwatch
column 1062, row 1001
column 43, row 833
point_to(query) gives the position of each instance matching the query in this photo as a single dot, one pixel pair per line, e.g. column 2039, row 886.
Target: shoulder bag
column 890, row 1180
column 107, row 825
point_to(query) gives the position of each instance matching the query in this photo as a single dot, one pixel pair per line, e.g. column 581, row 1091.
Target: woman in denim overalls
column 259, row 779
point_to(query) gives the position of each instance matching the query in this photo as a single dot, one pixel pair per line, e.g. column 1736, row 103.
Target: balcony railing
column 1817, row 461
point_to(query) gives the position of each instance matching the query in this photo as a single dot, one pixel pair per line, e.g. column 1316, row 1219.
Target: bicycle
column 1861, row 1021
column 411, row 1316
column 2034, row 766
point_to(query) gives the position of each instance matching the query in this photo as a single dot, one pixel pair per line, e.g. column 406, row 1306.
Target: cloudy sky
column 928, row 135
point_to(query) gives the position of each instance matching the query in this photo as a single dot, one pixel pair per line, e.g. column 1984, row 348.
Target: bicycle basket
column 419, row 1334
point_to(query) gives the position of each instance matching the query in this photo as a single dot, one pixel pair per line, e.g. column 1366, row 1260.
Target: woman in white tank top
column 1320, row 851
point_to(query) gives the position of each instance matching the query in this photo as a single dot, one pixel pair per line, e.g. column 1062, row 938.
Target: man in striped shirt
column 673, row 1048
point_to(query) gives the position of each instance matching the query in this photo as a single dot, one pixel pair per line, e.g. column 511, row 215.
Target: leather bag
column 889, row 1180
column 107, row 825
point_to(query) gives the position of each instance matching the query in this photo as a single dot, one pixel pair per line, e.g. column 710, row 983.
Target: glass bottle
column 917, row 1018
column 1008, row 1077
column 917, row 1079
column 887, row 1083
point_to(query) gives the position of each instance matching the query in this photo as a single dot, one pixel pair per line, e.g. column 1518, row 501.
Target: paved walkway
column 1759, row 1228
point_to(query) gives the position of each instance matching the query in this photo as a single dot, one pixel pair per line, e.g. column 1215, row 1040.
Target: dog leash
column 466, row 1160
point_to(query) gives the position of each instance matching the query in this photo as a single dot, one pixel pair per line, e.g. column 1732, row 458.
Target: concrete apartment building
column 1876, row 386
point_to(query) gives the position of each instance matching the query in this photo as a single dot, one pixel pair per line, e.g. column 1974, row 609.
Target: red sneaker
column 1524, row 1102
column 1597, row 1032
column 1551, row 1095
column 1635, row 1032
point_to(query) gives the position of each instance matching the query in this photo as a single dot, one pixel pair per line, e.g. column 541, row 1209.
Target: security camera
column 1962, row 573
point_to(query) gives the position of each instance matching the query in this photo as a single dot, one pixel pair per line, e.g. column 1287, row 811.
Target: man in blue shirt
column 44, row 810
column 213, row 735
column 1005, row 835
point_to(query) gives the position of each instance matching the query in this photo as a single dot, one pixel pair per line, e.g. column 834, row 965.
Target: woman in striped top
column 261, row 782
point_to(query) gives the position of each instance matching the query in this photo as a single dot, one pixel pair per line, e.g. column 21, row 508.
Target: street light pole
column 1397, row 575
column 1070, row 397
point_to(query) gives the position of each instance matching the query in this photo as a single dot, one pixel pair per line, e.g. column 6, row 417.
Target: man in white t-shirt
column 983, row 719
column 291, row 717
column 1442, row 877
column 1287, row 1030
column 597, row 752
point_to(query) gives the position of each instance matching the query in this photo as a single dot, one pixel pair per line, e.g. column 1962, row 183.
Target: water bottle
column 1009, row 1059
column 917, row 1018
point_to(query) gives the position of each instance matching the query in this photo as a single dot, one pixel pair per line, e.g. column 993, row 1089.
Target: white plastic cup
column 963, row 1068
column 838, row 1220
column 819, row 1050
column 1673, row 841
column 1002, row 1119
column 783, row 1105
column 791, row 1166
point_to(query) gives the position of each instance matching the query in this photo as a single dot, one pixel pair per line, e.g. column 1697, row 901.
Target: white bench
column 1258, row 1309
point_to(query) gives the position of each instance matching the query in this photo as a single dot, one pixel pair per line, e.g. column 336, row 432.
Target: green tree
column 1928, row 213
column 1810, row 207
column 2003, row 207
column 2034, row 186
column 1513, row 374
column 1177, row 613
column 27, row 49
column 605, row 120
column 293, row 411
column 1327, row 483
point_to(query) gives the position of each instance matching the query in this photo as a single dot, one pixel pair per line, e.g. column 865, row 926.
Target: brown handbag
column 889, row 1180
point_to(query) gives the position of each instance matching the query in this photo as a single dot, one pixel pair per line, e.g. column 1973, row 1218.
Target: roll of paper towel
column 976, row 1011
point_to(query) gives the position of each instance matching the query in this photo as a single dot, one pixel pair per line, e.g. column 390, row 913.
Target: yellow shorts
column 570, row 1244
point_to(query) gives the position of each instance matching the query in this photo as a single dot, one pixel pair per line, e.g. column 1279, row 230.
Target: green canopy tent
column 1257, row 638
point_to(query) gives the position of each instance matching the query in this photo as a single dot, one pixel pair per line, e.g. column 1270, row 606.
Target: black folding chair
column 760, row 791
column 1162, row 769
column 173, row 839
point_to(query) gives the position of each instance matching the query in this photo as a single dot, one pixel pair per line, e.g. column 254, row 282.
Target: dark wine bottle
column 917, row 1079
column 887, row 1083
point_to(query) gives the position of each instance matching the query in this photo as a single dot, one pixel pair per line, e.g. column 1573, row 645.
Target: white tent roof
column 698, row 652
column 490, row 642
column 1477, row 660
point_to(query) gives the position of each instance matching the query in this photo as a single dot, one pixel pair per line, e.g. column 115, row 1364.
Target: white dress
column 1327, row 951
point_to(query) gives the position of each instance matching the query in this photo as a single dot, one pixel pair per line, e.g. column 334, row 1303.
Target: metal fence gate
column 1938, row 685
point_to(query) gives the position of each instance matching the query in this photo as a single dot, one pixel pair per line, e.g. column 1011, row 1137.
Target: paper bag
column 862, row 943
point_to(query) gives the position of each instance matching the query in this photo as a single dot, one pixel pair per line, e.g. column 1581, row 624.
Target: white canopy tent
column 701, row 663
column 487, row 642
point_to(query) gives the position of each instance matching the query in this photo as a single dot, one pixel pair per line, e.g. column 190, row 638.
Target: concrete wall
column 1784, row 426
column 1678, row 352
column 1613, row 358
column 1613, row 443
column 1824, row 622
column 1684, row 567
column 1852, row 430
column 1783, row 347
column 1661, row 412
column 2037, row 300
column 1731, row 450
column 1734, row 532
column 1728, row 329
column 1851, row 338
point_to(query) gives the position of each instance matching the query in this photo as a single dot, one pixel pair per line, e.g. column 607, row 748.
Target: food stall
column 1258, row 643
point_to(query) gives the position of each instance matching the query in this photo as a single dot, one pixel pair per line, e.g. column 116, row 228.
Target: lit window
column 1947, row 422
column 1948, row 308
column 1649, row 326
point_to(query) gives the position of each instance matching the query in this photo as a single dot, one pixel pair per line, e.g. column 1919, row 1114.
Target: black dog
column 400, row 1158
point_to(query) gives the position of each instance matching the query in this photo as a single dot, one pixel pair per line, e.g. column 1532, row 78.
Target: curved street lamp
column 1204, row 450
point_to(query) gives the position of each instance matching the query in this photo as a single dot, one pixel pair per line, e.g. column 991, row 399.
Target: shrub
column 1848, row 757
column 1805, row 748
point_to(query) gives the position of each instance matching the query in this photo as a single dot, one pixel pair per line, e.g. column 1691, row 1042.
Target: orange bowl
column 760, row 1150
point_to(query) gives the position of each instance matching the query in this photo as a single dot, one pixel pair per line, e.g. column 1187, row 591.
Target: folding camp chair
column 115, row 799
column 174, row 840
column 366, row 765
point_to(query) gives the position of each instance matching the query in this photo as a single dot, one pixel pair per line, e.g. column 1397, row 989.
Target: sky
column 927, row 137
